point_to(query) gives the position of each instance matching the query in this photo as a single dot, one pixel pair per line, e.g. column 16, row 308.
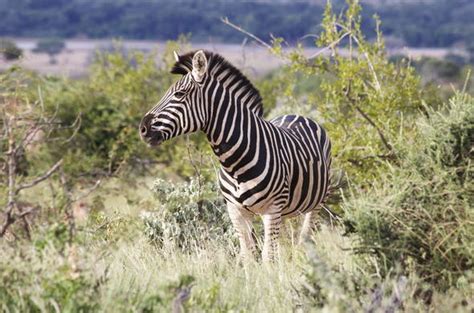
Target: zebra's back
column 308, row 162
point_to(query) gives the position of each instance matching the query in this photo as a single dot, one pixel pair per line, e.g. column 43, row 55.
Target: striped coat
column 278, row 168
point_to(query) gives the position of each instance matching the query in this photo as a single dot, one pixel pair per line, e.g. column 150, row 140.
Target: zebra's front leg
column 242, row 222
column 272, row 225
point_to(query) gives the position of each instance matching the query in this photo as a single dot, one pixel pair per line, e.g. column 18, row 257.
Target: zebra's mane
column 185, row 65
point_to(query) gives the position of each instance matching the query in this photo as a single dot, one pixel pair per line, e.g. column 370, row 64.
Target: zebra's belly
column 249, row 195
column 298, row 192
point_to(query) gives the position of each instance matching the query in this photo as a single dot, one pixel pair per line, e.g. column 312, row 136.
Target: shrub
column 358, row 94
column 189, row 215
column 111, row 102
column 51, row 46
column 420, row 212
column 34, row 281
column 10, row 50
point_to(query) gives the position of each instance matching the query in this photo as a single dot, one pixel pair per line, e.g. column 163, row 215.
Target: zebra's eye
column 179, row 94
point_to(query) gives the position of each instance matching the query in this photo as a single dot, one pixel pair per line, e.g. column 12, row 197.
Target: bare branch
column 76, row 125
column 308, row 36
column 41, row 178
column 88, row 192
column 379, row 131
column 226, row 21
column 26, row 212
column 262, row 42
column 330, row 46
column 197, row 171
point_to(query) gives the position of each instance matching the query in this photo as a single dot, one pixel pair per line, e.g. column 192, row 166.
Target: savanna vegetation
column 93, row 220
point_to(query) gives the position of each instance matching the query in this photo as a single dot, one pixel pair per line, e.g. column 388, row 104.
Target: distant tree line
column 435, row 24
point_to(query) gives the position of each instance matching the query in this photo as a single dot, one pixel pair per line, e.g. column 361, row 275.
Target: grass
column 113, row 265
column 116, row 268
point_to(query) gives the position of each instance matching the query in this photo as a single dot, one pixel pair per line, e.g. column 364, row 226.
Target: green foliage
column 364, row 99
column 110, row 103
column 10, row 50
column 189, row 214
column 32, row 281
column 50, row 46
column 420, row 212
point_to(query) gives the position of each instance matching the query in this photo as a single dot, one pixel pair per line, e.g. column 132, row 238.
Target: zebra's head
column 181, row 110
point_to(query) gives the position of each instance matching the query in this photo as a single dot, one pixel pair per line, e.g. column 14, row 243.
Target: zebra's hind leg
column 309, row 225
column 272, row 224
column 242, row 222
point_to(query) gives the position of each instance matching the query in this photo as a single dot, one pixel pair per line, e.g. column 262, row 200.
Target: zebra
column 275, row 169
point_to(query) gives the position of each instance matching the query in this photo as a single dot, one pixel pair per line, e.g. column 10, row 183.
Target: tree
column 51, row 46
column 361, row 96
column 10, row 50
column 25, row 127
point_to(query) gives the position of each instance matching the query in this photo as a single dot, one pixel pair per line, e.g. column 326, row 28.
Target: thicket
column 360, row 96
column 120, row 89
column 419, row 213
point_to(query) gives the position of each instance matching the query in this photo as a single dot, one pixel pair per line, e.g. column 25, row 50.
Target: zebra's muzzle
column 149, row 135
column 154, row 139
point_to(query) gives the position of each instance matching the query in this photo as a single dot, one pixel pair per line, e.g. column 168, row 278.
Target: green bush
column 110, row 104
column 188, row 216
column 419, row 214
column 44, row 281
column 50, row 46
column 359, row 96
column 10, row 50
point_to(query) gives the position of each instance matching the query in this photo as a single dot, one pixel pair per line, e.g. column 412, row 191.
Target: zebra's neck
column 234, row 129
column 233, row 112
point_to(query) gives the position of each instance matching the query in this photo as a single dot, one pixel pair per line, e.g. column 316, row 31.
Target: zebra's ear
column 176, row 56
column 199, row 65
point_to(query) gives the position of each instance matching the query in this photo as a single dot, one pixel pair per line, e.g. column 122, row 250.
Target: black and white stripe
column 277, row 168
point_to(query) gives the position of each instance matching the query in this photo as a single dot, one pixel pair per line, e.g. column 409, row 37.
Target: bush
column 357, row 93
column 51, row 46
column 121, row 88
column 10, row 50
column 420, row 212
column 34, row 281
column 188, row 216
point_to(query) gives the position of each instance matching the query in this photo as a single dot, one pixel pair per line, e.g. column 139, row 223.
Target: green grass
column 113, row 265
column 132, row 275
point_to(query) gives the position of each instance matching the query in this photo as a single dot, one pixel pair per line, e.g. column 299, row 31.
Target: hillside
column 449, row 22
